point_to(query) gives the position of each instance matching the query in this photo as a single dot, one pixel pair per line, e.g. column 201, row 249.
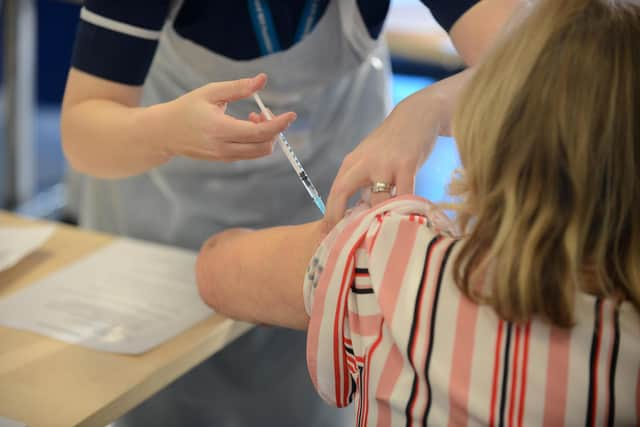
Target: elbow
column 70, row 143
column 208, row 277
column 66, row 126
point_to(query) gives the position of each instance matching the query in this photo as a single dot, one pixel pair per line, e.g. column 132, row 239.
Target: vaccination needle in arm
column 293, row 159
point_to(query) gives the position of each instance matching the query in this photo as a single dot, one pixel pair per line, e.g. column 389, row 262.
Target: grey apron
column 337, row 80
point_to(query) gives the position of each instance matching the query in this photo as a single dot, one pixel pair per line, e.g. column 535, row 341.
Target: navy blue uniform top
column 117, row 39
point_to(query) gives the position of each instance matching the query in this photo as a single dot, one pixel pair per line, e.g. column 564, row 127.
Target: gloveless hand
column 391, row 154
column 197, row 126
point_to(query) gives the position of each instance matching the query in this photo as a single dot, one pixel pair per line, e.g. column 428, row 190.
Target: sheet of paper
column 6, row 422
column 127, row 297
column 18, row 242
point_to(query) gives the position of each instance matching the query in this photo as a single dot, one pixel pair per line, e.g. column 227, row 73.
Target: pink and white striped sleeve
column 326, row 294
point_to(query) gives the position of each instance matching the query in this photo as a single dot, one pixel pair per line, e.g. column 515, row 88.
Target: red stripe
column 338, row 327
column 514, row 377
column 496, row 372
column 322, row 298
column 355, row 358
column 523, row 383
column 367, row 368
column 358, row 401
column 594, row 407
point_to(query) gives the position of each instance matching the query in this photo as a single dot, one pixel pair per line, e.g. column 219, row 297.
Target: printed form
column 127, row 297
column 18, row 242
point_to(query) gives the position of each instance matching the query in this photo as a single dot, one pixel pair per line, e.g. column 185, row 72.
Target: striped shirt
column 390, row 331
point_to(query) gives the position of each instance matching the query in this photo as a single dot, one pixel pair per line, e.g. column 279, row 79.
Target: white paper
column 128, row 297
column 18, row 242
column 6, row 422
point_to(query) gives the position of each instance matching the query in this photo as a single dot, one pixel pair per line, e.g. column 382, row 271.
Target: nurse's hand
column 200, row 129
column 391, row 154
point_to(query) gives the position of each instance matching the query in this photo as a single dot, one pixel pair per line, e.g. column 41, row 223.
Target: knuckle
column 259, row 133
column 340, row 188
column 349, row 159
column 396, row 163
column 245, row 87
column 266, row 149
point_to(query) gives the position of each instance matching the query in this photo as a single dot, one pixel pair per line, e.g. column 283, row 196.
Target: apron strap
column 265, row 29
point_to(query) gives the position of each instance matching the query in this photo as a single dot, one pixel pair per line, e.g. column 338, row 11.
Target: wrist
column 151, row 124
column 424, row 109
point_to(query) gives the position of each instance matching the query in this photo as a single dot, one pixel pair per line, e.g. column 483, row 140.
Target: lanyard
column 265, row 29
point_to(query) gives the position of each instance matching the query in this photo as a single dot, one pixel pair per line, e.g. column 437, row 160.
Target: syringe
column 293, row 159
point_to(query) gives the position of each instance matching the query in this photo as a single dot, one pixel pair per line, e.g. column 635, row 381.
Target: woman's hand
column 391, row 154
column 198, row 128
column 394, row 151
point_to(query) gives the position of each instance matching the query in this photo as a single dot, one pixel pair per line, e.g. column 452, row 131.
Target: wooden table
column 44, row 382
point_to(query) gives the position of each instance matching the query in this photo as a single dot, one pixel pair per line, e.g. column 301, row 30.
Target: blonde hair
column 549, row 137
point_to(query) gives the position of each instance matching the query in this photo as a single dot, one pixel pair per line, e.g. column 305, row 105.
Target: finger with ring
column 381, row 187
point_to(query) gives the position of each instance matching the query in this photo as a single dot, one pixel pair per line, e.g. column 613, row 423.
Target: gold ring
column 381, row 187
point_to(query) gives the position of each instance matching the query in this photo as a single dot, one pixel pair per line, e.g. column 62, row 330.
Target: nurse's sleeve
column 117, row 39
column 447, row 12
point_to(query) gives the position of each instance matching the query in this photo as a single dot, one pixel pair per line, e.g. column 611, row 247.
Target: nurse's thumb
column 234, row 89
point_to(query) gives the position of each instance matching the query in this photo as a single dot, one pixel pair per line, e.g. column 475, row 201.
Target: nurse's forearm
column 439, row 100
column 106, row 134
column 473, row 34
column 105, row 139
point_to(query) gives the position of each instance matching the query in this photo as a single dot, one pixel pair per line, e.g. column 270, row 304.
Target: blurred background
column 36, row 40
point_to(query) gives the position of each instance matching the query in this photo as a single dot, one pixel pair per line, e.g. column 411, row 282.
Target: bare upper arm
column 477, row 28
column 257, row 276
column 82, row 86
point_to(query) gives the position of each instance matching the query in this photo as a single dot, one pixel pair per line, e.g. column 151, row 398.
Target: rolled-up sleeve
column 340, row 288
column 447, row 12
column 117, row 39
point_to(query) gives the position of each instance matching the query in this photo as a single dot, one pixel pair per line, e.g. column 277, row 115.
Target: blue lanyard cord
column 265, row 28
column 307, row 20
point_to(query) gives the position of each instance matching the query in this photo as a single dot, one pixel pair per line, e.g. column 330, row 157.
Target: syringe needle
column 293, row 159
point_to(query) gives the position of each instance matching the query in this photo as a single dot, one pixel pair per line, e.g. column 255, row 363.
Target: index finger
column 245, row 131
column 346, row 183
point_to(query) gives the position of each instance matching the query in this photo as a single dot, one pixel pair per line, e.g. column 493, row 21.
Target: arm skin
column 105, row 133
column 257, row 276
column 124, row 138
column 472, row 35
column 416, row 122
column 476, row 30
